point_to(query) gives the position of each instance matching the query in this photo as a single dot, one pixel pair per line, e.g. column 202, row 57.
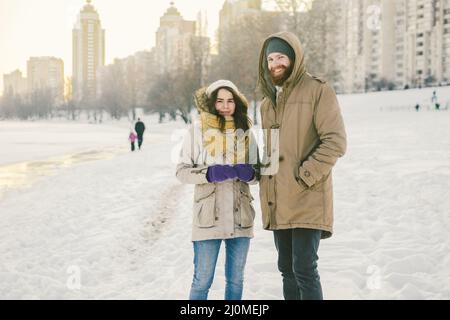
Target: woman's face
column 225, row 104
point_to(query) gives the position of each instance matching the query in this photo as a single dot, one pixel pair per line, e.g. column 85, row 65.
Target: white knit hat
column 220, row 84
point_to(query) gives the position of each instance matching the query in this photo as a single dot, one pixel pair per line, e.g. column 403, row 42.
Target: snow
column 84, row 218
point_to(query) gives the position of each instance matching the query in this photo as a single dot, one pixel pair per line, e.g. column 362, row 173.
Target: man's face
column 280, row 67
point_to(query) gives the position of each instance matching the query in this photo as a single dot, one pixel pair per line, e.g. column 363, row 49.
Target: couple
column 296, row 197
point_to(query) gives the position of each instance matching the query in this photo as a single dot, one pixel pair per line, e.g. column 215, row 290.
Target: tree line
column 128, row 84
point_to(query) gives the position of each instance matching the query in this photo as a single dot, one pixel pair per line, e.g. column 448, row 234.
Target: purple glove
column 245, row 172
column 219, row 173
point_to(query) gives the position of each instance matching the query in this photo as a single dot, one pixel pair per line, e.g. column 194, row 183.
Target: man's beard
column 282, row 77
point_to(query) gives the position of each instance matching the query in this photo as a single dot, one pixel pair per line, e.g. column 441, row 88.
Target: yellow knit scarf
column 216, row 142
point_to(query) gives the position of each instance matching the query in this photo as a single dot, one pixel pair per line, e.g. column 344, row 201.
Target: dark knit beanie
column 281, row 46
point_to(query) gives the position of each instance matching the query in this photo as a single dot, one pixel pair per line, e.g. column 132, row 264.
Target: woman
column 217, row 157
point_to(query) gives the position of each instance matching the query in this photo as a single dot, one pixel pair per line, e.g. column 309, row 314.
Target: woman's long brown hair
column 241, row 120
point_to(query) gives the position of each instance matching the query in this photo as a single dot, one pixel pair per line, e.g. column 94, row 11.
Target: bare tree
column 2, row 110
column 316, row 23
column 161, row 96
column 241, row 45
column 323, row 39
column 39, row 104
column 42, row 102
column 184, row 86
column 172, row 93
column 22, row 109
column 293, row 8
column 131, row 85
column 7, row 105
column 192, row 77
column 113, row 97
column 69, row 104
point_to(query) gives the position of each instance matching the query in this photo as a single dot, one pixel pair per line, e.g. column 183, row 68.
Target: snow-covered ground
column 82, row 217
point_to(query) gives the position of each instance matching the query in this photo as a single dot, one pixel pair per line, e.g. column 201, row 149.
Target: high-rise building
column 369, row 57
column 139, row 73
column 234, row 10
column 379, row 46
column 325, row 51
column 174, row 41
column 443, row 42
column 425, row 42
column 354, row 72
column 46, row 73
column 401, row 43
column 15, row 83
column 88, row 53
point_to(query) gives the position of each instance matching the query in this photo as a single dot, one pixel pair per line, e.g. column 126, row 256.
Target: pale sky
column 44, row 27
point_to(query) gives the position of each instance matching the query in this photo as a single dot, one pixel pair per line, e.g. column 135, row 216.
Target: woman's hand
column 220, row 173
column 245, row 172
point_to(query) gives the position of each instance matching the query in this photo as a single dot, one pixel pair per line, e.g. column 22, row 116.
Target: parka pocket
column 247, row 212
column 204, row 207
column 299, row 182
column 323, row 185
column 203, row 191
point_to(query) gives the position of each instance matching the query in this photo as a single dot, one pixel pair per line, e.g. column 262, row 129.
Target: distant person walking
column 140, row 128
column 434, row 101
column 434, row 97
column 132, row 137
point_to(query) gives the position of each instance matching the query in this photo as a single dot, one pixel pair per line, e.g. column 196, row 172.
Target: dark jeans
column 140, row 140
column 297, row 262
column 132, row 146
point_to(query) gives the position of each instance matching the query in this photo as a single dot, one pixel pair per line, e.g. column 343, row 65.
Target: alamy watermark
column 255, row 146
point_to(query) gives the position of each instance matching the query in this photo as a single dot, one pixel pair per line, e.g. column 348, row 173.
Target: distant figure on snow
column 434, row 101
column 417, row 107
column 132, row 137
column 434, row 97
column 140, row 128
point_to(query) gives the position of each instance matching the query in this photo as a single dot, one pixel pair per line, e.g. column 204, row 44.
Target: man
column 140, row 128
column 297, row 197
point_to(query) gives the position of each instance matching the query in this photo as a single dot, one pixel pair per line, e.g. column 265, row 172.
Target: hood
column 201, row 99
column 264, row 81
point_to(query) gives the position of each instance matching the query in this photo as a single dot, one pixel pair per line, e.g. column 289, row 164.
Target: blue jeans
column 205, row 259
column 297, row 262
